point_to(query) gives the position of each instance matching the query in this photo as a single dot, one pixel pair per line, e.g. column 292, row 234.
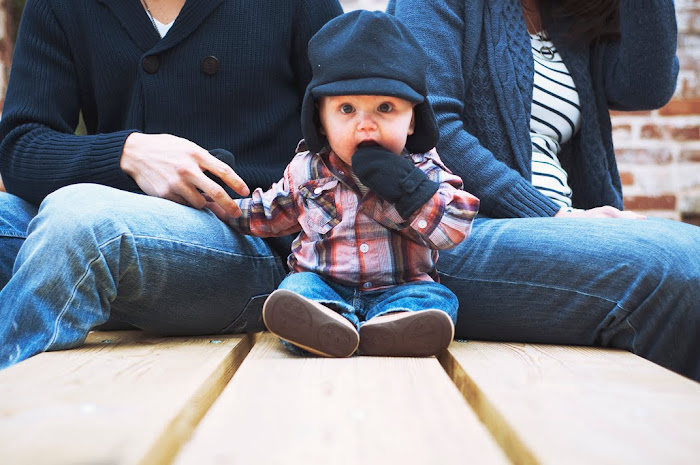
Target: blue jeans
column 93, row 252
column 360, row 306
column 15, row 215
column 627, row 284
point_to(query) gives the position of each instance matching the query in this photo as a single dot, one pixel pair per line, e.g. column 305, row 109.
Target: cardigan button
column 210, row 65
column 150, row 64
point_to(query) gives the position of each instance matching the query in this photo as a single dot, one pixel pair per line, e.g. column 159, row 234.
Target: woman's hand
column 173, row 168
column 600, row 212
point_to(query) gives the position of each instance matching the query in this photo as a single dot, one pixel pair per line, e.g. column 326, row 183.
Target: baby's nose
column 365, row 122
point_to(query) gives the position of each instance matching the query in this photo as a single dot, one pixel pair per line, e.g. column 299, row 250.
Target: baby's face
column 352, row 121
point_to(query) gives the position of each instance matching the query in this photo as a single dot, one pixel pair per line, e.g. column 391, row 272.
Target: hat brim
column 423, row 139
column 368, row 86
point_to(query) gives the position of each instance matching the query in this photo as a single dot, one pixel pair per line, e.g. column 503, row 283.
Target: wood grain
column 578, row 405
column 281, row 408
column 123, row 398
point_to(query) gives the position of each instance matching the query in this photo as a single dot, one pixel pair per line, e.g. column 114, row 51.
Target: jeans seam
column 577, row 291
column 201, row 246
column 65, row 308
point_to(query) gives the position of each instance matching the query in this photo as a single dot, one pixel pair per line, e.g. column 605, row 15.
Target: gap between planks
column 124, row 397
column 548, row 404
column 369, row 410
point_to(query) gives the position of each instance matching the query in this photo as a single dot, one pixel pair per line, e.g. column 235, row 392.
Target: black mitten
column 226, row 157
column 393, row 178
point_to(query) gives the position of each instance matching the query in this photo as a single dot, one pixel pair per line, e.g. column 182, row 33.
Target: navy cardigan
column 229, row 74
column 480, row 84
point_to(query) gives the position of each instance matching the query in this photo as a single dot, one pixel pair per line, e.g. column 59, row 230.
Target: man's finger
column 224, row 172
column 213, row 192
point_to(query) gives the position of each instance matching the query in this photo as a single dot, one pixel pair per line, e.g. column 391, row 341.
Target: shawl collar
column 134, row 19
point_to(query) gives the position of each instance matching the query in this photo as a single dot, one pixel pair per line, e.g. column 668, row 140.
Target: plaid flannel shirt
column 355, row 240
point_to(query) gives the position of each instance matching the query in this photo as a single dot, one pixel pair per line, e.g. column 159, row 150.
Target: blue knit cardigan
column 229, row 74
column 480, row 84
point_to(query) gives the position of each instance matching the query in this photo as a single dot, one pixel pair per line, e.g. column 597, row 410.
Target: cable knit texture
column 480, row 85
column 104, row 58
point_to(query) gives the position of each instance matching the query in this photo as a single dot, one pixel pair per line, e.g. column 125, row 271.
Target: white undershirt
column 555, row 118
column 160, row 27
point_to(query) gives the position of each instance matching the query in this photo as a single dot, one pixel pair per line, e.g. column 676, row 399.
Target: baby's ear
column 412, row 125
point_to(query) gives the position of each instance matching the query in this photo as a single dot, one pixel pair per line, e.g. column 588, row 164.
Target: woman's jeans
column 360, row 306
column 627, row 284
column 93, row 251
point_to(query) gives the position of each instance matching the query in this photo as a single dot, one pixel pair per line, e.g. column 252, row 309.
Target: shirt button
column 210, row 65
column 318, row 190
column 364, row 248
column 422, row 224
column 367, row 285
column 150, row 64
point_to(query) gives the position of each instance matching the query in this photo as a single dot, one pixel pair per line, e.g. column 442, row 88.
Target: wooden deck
column 130, row 398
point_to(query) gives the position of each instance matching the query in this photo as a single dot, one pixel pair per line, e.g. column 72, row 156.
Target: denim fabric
column 15, row 215
column 628, row 284
column 93, row 251
column 360, row 306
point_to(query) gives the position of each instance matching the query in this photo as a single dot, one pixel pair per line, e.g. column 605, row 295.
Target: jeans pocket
column 250, row 319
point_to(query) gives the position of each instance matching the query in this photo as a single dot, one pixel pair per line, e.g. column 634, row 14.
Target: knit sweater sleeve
column 640, row 69
column 39, row 151
column 451, row 35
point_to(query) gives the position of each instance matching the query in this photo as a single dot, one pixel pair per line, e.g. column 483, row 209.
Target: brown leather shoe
column 407, row 334
column 309, row 325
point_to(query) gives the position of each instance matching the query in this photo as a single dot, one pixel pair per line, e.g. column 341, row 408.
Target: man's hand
column 174, row 168
column 600, row 212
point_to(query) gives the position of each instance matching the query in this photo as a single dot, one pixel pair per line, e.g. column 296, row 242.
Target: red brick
column 644, row 202
column 685, row 106
column 622, row 131
column 629, row 113
column 686, row 133
column 652, row 131
column 627, row 178
column 691, row 218
column 692, row 156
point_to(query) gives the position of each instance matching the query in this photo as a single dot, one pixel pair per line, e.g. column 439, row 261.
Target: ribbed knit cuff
column 525, row 201
column 105, row 158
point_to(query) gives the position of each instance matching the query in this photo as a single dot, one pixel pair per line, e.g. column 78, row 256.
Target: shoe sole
column 309, row 325
column 409, row 334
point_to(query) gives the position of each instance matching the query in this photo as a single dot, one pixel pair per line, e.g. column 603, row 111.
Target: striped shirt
column 354, row 239
column 554, row 119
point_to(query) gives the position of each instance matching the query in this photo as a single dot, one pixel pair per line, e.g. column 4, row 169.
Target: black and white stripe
column 555, row 118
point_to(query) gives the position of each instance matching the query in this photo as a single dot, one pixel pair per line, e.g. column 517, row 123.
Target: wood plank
column 124, row 398
column 280, row 408
column 554, row 404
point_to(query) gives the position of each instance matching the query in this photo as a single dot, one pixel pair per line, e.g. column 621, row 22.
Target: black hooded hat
column 368, row 53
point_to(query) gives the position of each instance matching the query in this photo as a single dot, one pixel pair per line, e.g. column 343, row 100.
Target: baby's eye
column 347, row 109
column 385, row 107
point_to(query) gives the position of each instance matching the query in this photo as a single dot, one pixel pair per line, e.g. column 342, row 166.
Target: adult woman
column 524, row 121
column 159, row 83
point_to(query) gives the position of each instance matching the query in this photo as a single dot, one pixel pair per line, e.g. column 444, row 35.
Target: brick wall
column 658, row 152
column 5, row 47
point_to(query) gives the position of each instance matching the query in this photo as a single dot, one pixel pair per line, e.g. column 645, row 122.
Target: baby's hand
column 393, row 178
